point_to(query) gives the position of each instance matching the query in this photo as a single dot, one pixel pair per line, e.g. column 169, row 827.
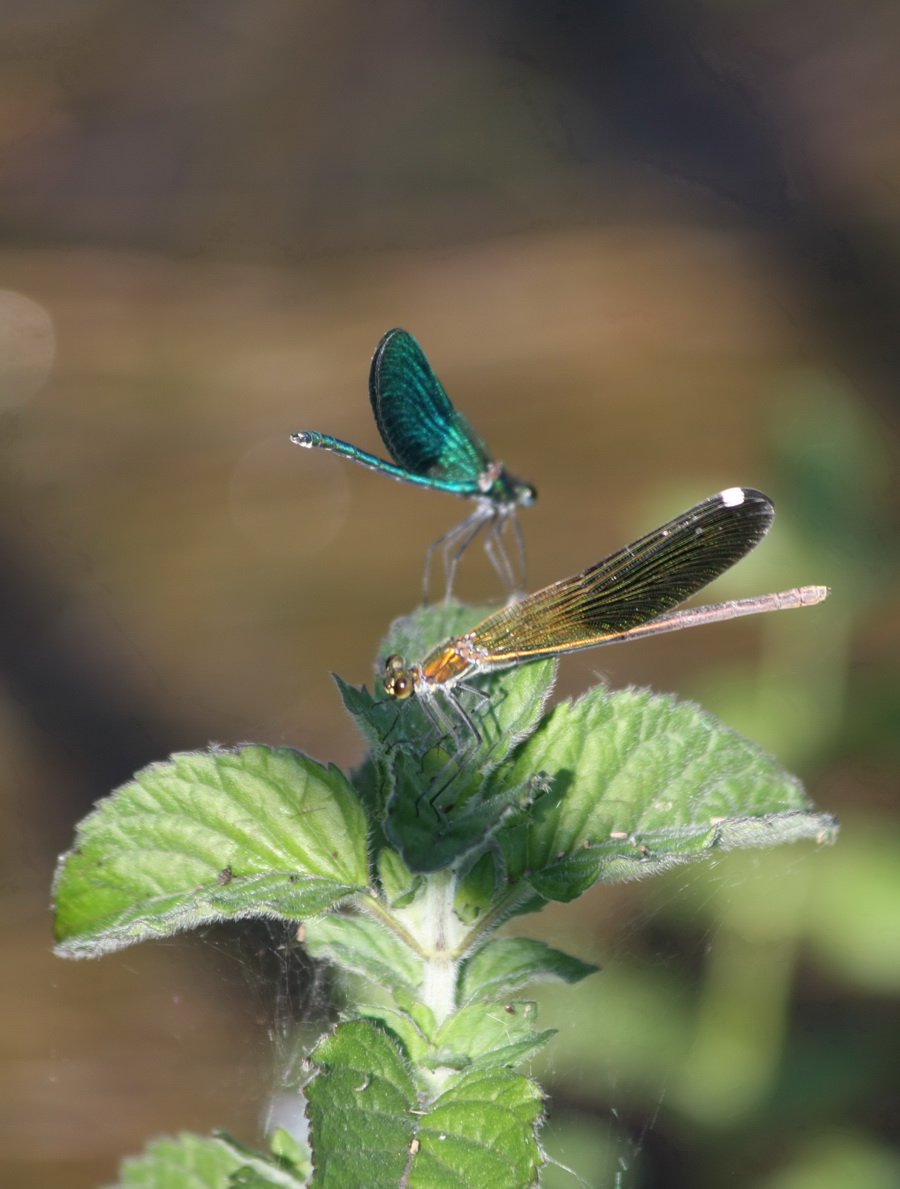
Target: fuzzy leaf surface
column 507, row 963
column 489, row 1034
column 476, row 888
column 201, row 1162
column 360, row 1109
column 640, row 781
column 404, row 1027
column 206, row 836
column 370, row 1127
column 400, row 885
column 361, row 944
column 480, row 1131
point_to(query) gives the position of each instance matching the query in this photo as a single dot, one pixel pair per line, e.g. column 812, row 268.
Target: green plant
column 402, row 874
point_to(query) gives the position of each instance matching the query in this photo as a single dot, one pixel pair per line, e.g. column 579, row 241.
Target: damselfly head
column 398, row 681
column 525, row 493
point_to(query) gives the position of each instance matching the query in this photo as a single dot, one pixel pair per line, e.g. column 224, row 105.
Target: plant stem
column 440, row 935
column 391, row 920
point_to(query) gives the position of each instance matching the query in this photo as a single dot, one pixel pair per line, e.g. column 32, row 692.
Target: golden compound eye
column 398, row 685
column 397, row 681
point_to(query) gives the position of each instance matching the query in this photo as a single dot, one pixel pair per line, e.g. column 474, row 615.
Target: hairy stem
column 440, row 933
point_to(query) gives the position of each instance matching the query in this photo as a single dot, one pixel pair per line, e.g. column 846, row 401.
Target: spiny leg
column 511, row 573
column 478, row 518
column 426, row 577
column 496, row 551
column 446, row 542
column 398, row 742
column 444, row 728
column 438, row 726
column 398, row 708
column 456, row 763
column 473, row 689
column 520, row 547
column 465, row 687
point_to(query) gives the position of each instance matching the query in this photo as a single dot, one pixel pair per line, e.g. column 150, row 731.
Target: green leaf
column 480, row 1131
column 435, row 838
column 639, row 782
column 505, row 964
column 360, row 1109
column 400, row 885
column 404, row 1028
column 423, row 1016
column 199, row 1162
column 476, row 888
column 486, row 1035
column 374, row 719
column 361, row 944
column 370, row 1128
column 206, row 836
column 291, row 1153
column 252, row 1177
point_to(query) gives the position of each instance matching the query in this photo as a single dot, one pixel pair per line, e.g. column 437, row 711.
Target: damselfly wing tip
column 732, row 497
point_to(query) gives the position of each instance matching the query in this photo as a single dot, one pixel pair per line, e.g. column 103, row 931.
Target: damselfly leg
column 453, row 545
column 452, row 724
column 495, row 548
column 464, row 752
column 457, row 540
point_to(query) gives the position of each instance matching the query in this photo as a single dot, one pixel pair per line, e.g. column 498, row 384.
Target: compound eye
column 527, row 495
column 398, row 685
column 397, row 681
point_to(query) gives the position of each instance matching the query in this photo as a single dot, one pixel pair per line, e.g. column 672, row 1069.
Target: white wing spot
column 732, row 497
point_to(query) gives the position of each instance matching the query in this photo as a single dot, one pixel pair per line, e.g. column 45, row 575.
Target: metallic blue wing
column 418, row 424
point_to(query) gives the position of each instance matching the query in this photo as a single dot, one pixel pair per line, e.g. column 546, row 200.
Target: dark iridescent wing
column 633, row 586
column 417, row 422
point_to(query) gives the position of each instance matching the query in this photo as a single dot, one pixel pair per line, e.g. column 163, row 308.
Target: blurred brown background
column 652, row 248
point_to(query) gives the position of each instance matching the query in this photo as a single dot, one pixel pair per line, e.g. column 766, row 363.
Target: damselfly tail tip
column 302, row 438
column 810, row 595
